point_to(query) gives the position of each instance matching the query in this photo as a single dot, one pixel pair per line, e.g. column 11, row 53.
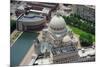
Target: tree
column 86, row 40
column 13, row 25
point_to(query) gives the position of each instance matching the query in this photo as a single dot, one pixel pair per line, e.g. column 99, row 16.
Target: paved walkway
column 14, row 36
column 27, row 59
column 40, row 35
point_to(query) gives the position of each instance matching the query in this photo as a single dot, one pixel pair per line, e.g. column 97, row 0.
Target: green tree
column 86, row 40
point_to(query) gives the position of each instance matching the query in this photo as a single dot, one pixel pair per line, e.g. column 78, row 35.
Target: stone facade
column 66, row 54
column 85, row 12
column 30, row 22
column 62, row 48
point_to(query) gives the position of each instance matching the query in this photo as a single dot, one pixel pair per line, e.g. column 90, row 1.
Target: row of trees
column 78, row 22
column 87, row 26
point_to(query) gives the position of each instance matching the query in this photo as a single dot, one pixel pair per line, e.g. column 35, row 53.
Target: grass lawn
column 81, row 32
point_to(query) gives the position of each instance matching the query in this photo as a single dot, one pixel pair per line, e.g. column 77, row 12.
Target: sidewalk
column 27, row 59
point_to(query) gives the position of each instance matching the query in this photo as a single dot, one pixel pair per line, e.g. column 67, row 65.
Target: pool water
column 21, row 47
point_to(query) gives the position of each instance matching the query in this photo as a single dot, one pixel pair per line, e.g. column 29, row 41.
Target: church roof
column 57, row 24
column 57, row 21
column 64, row 49
column 66, row 39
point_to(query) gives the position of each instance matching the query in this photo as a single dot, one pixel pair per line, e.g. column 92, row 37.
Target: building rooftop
column 91, row 6
column 43, row 10
column 86, row 52
column 49, row 5
column 31, row 17
column 45, row 46
column 65, row 49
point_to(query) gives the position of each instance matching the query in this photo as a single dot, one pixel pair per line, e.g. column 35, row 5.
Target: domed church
column 58, row 41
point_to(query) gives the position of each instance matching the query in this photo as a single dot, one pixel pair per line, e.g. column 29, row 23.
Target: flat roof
column 43, row 4
column 31, row 17
column 65, row 49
